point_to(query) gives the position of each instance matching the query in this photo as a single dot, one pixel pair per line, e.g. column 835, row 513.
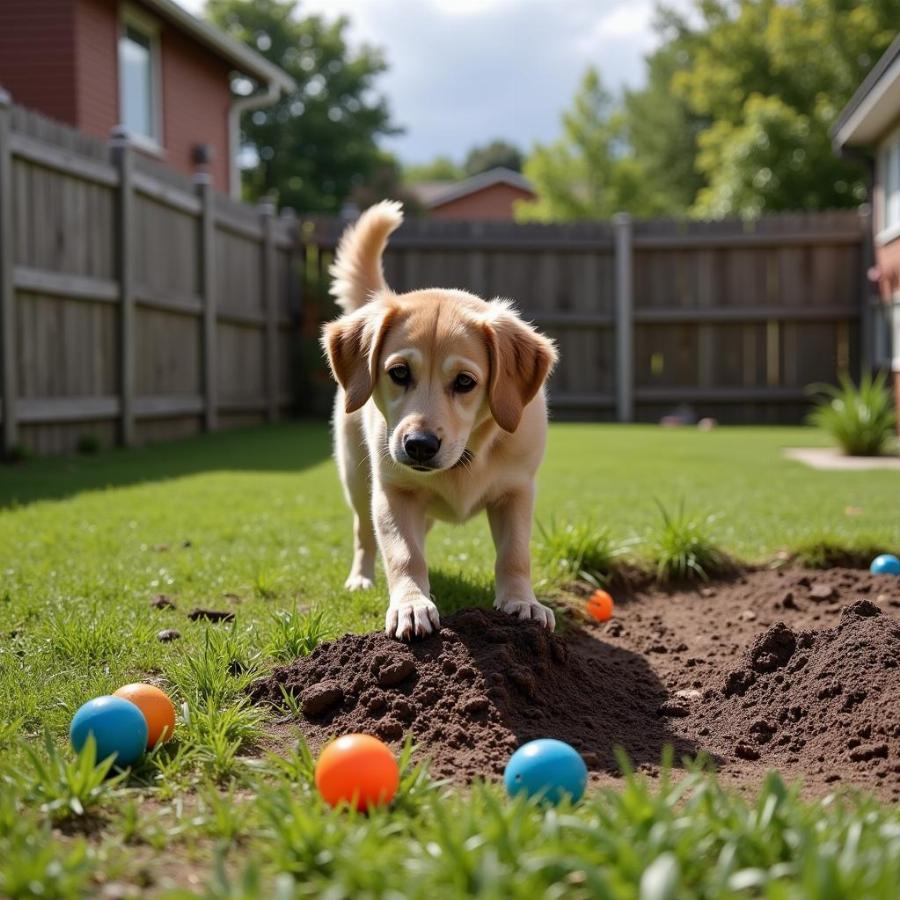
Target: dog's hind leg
column 353, row 465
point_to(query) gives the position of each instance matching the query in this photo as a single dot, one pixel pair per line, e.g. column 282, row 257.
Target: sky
column 463, row 72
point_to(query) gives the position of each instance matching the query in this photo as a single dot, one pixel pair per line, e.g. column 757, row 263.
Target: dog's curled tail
column 356, row 270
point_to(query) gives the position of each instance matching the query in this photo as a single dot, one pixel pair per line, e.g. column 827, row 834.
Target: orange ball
column 157, row 708
column 357, row 769
column 600, row 606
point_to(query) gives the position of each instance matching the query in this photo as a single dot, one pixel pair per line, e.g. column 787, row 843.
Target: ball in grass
column 600, row 606
column 886, row 564
column 118, row 727
column 157, row 708
column 357, row 769
column 548, row 769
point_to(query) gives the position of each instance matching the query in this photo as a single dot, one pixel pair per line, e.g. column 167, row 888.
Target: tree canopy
column 315, row 147
column 733, row 119
column 497, row 153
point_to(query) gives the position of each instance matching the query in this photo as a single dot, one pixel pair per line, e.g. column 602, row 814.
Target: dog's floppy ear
column 353, row 344
column 520, row 359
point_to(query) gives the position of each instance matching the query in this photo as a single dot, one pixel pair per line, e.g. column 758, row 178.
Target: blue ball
column 548, row 769
column 886, row 564
column 118, row 726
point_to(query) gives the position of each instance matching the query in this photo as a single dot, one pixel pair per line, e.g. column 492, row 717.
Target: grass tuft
column 296, row 634
column 65, row 788
column 681, row 548
column 860, row 419
column 576, row 550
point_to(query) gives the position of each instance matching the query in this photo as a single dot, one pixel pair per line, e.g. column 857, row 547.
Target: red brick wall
column 493, row 203
column 61, row 58
column 97, row 66
column 37, row 55
column 196, row 97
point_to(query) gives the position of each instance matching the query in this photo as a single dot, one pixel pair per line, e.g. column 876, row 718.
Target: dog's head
column 437, row 364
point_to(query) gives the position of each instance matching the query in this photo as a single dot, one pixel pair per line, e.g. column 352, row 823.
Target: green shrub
column 862, row 419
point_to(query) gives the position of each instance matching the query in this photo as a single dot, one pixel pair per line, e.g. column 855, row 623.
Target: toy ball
column 157, row 708
column 600, row 606
column 548, row 769
column 119, row 728
column 886, row 564
column 357, row 769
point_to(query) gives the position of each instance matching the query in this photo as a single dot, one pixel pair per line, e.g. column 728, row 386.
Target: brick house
column 869, row 127
column 490, row 196
column 146, row 65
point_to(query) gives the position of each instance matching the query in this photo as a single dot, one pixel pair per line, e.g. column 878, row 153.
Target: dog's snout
column 421, row 446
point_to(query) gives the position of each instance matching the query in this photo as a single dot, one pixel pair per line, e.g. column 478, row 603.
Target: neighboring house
column 870, row 125
column 489, row 196
column 145, row 65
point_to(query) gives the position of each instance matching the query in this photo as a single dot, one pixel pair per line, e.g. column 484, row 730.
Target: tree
column 316, row 146
column 587, row 173
column 769, row 77
column 497, row 153
column 441, row 168
column 661, row 128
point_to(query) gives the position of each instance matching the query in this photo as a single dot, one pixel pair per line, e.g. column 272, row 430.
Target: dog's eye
column 400, row 374
column 464, row 383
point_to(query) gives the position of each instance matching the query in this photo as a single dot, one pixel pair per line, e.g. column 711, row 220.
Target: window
column 139, row 95
column 889, row 176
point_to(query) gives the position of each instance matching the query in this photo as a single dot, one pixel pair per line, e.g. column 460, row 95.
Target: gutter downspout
column 238, row 106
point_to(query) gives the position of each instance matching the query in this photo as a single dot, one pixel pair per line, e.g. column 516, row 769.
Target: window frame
column 888, row 159
column 138, row 20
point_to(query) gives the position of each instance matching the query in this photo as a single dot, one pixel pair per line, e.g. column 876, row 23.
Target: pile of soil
column 827, row 701
column 792, row 669
column 476, row 690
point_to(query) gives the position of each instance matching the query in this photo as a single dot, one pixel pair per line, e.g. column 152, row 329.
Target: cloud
column 465, row 71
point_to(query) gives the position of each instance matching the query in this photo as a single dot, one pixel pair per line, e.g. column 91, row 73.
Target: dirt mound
column 825, row 701
column 482, row 686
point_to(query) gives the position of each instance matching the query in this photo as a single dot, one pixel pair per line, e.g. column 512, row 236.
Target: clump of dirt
column 476, row 690
column 827, row 701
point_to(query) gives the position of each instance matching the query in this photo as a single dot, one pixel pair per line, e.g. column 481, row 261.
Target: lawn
column 254, row 522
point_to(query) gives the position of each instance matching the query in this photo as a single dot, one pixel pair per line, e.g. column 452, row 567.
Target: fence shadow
column 282, row 447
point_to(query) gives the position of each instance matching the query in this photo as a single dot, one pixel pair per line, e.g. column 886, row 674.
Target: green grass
column 254, row 522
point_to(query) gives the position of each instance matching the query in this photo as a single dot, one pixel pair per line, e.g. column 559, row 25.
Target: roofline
column 242, row 57
column 883, row 74
column 498, row 175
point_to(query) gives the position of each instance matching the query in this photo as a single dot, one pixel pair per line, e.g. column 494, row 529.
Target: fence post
column 204, row 188
column 270, row 303
column 124, row 219
column 8, row 388
column 624, row 319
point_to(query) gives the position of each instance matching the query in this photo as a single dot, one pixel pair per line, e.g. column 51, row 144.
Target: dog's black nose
column 421, row 446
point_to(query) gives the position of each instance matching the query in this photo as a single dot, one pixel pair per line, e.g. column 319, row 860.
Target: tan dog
column 440, row 414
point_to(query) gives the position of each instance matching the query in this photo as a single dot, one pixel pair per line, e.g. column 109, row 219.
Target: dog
column 440, row 413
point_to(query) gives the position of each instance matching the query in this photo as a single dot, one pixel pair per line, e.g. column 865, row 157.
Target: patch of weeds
column 223, row 816
column 220, row 672
column 576, row 550
column 67, row 788
column 217, row 734
column 88, row 640
column 681, row 548
column 296, row 634
column 88, row 444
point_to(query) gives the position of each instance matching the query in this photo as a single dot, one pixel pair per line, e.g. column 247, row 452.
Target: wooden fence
column 135, row 305
column 733, row 319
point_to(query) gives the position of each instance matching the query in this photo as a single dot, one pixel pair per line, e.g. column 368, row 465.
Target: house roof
column 874, row 107
column 240, row 56
column 434, row 194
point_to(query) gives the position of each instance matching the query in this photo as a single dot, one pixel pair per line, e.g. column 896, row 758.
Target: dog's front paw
column 528, row 609
column 357, row 582
column 409, row 618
